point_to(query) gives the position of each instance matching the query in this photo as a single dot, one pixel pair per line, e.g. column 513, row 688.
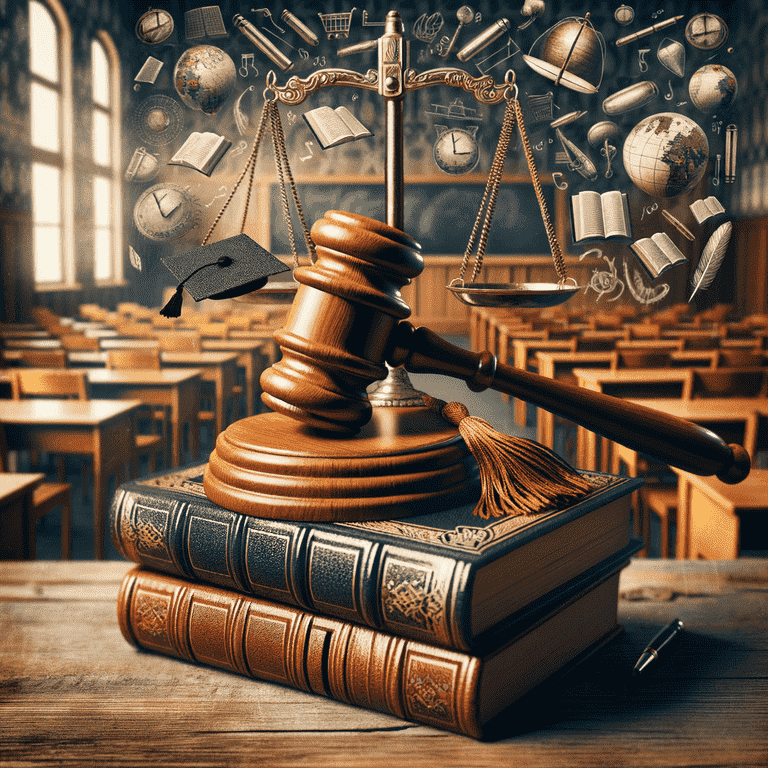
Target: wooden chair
column 727, row 382
column 71, row 384
column 79, row 342
column 159, row 417
column 640, row 358
column 45, row 498
column 740, row 357
column 214, row 330
column 43, row 358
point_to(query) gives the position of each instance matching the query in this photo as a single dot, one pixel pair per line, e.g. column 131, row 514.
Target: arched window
column 105, row 134
column 51, row 137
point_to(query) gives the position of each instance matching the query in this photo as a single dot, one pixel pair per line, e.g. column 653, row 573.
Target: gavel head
column 337, row 330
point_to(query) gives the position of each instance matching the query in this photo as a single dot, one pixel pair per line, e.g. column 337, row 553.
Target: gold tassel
column 517, row 476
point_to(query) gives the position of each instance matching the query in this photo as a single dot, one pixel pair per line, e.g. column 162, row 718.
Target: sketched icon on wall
column 149, row 71
column 425, row 28
column 158, row 119
column 454, row 111
column 506, row 52
column 336, row 25
column 204, row 22
column 642, row 293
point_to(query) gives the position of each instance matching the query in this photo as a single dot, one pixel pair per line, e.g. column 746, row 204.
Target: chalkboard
column 439, row 216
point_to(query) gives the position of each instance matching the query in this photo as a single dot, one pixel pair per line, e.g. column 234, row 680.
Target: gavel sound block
column 321, row 456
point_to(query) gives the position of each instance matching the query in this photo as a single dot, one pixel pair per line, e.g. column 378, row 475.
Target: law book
column 596, row 216
column 448, row 689
column 706, row 208
column 332, row 127
column 657, row 253
column 446, row 578
column 201, row 152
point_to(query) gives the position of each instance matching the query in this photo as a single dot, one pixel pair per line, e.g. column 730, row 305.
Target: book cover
column 657, row 253
column 446, row 578
column 364, row 667
column 596, row 216
column 201, row 152
column 332, row 127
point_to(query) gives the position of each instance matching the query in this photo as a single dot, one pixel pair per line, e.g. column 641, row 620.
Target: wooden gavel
column 348, row 319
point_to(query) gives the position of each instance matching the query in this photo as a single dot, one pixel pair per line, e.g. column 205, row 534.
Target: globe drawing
column 712, row 87
column 666, row 154
column 204, row 78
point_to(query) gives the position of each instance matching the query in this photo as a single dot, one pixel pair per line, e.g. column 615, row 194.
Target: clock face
column 456, row 150
column 165, row 212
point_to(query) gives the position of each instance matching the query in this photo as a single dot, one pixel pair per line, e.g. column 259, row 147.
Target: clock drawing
column 456, row 149
column 165, row 212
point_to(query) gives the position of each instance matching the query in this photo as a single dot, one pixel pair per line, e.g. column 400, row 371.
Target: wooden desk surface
column 163, row 377
column 70, row 412
column 73, row 691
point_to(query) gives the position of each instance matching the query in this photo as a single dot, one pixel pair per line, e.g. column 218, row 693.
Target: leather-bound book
column 446, row 578
column 448, row 689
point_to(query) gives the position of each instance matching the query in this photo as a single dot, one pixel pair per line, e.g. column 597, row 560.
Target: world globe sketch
column 666, row 154
column 712, row 87
column 204, row 78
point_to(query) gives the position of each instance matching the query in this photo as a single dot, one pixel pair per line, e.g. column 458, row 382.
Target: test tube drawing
column 262, row 42
column 731, row 142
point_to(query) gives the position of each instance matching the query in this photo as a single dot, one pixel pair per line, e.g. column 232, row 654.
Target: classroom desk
column 37, row 342
column 251, row 357
column 24, row 333
column 220, row 368
column 716, row 520
column 124, row 342
column 260, row 334
column 176, row 389
column 74, row 691
column 16, row 504
column 559, row 365
column 100, row 428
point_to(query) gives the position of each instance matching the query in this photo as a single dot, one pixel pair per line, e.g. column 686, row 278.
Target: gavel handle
column 674, row 441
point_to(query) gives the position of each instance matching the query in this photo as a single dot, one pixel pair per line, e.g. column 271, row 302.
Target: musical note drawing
column 671, row 94
column 245, row 60
column 642, row 63
column 223, row 189
column 308, row 145
column 239, row 149
column 292, row 117
column 556, row 176
column 303, row 54
column 478, row 17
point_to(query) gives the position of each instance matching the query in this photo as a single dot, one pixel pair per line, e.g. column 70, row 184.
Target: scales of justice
column 329, row 452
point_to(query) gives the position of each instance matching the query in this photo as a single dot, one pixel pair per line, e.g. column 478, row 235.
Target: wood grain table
column 16, row 505
column 102, row 429
column 177, row 389
column 717, row 520
column 73, row 692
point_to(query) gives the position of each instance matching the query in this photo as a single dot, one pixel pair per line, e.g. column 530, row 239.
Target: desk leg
column 682, row 547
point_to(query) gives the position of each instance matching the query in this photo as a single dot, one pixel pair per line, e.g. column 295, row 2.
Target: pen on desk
column 659, row 646
column 648, row 31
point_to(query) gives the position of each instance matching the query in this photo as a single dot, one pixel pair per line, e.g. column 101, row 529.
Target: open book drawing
column 600, row 216
column 201, row 152
column 657, row 253
column 335, row 126
column 706, row 208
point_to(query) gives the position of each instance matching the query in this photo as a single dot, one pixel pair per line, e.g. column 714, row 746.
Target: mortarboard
column 221, row 270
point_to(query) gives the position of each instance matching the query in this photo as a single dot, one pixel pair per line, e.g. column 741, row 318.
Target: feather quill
column 711, row 257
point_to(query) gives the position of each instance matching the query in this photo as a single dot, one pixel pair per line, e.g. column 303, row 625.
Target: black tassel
column 173, row 307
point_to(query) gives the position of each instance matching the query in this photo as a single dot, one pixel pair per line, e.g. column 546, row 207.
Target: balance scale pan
column 526, row 295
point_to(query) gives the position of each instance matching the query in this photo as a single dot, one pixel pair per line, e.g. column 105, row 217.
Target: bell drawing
column 571, row 53
column 671, row 54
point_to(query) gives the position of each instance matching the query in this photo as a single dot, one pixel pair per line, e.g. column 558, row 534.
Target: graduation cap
column 221, row 270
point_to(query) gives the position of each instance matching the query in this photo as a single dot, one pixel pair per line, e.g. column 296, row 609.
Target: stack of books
column 444, row 619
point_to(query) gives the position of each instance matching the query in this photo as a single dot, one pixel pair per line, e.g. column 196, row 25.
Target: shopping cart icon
column 336, row 25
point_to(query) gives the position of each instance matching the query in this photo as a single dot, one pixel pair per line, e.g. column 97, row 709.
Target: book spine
column 286, row 645
column 407, row 592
